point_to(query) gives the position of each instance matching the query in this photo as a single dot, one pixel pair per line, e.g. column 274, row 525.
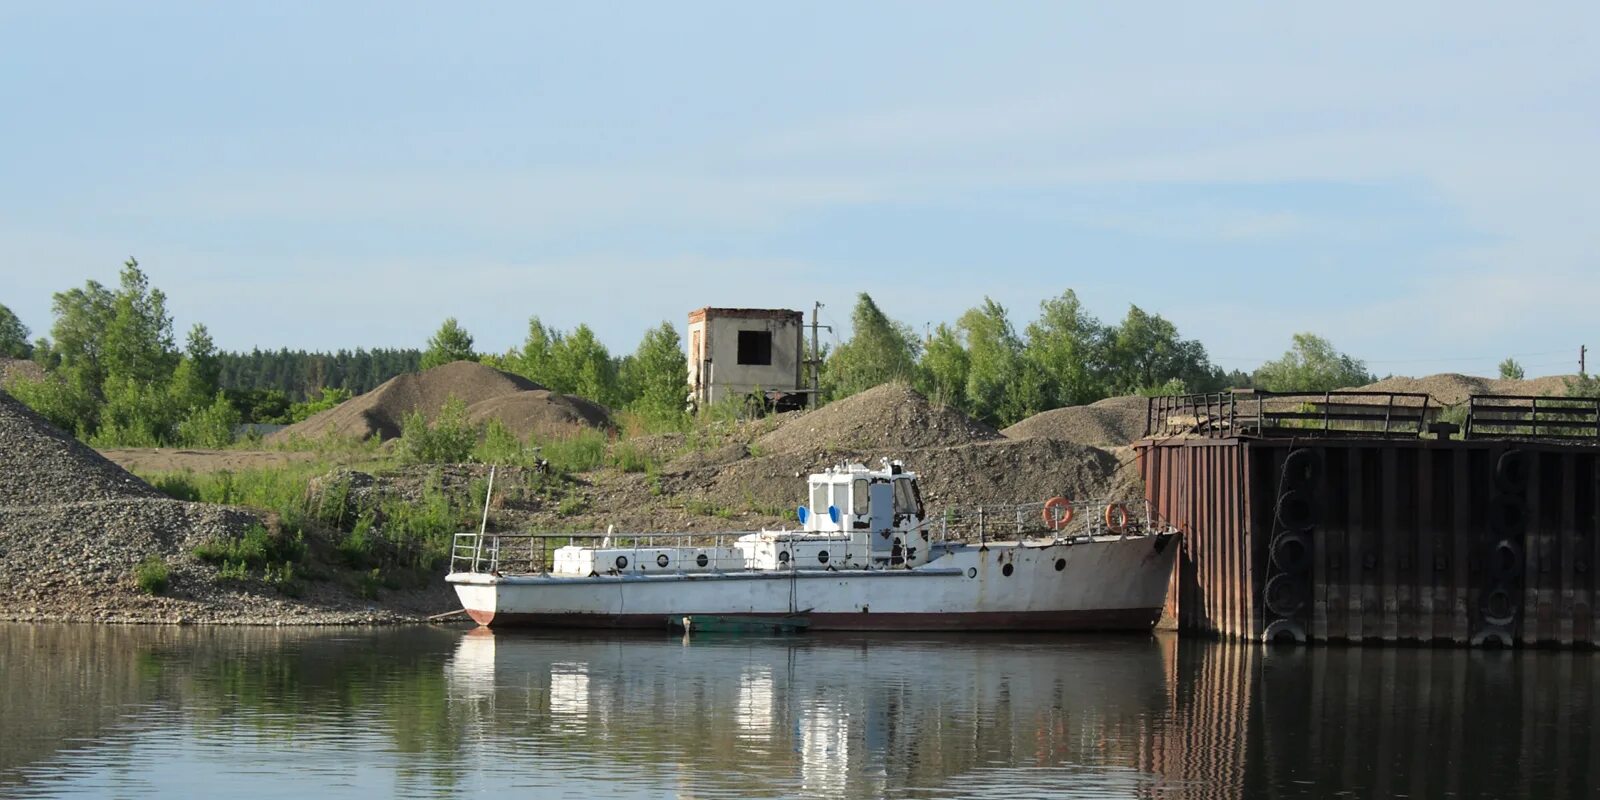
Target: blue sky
column 1415, row 181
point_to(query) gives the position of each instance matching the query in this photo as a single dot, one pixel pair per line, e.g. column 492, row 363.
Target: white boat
column 871, row 559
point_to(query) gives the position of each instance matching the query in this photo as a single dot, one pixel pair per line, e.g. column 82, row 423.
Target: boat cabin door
column 881, row 512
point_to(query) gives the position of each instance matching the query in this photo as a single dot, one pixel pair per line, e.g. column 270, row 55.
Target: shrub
column 209, row 426
column 580, row 452
column 449, row 439
column 151, row 575
column 256, row 548
column 628, row 458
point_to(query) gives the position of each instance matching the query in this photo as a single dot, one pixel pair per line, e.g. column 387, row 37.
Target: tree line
column 116, row 376
column 985, row 367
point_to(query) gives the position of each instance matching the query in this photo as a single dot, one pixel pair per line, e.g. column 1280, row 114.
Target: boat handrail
column 529, row 552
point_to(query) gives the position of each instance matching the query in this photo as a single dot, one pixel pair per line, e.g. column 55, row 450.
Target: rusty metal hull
column 1412, row 540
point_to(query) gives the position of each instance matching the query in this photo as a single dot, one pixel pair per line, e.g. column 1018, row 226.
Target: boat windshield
column 906, row 500
column 819, row 499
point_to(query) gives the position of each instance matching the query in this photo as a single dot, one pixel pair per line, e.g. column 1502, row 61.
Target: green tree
column 1511, row 370
column 13, row 336
column 113, row 358
column 1068, row 346
column 1001, row 386
column 536, row 360
column 1312, row 365
column 1146, row 351
column 581, row 365
column 880, row 350
column 944, row 367
column 450, row 343
column 196, row 381
column 658, row 374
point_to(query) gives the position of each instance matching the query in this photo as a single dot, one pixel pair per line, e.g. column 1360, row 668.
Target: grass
column 151, row 575
column 628, row 457
column 706, row 508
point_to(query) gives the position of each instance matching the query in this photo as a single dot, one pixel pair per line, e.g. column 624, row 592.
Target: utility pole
column 1583, row 350
column 816, row 354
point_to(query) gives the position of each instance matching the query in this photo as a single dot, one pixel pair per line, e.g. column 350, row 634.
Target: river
column 118, row 711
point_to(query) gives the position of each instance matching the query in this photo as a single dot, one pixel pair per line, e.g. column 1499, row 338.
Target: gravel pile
column 74, row 529
column 889, row 416
column 1111, row 422
column 40, row 464
column 961, row 476
column 525, row 407
column 1449, row 388
column 541, row 414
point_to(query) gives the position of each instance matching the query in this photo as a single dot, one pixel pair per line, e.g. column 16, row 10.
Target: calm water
column 128, row 712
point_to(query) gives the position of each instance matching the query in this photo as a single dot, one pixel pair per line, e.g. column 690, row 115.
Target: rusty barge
column 1367, row 517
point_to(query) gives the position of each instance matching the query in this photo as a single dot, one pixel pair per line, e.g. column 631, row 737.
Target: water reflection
column 145, row 711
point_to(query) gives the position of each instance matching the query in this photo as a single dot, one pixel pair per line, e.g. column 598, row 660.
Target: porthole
column 662, row 560
column 972, row 572
column 702, row 560
column 1061, row 564
column 822, row 556
column 622, row 562
column 1007, row 570
column 783, row 556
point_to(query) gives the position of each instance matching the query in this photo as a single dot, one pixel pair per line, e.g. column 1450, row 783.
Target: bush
column 256, row 548
column 209, row 426
column 580, row 452
column 628, row 458
column 449, row 439
column 151, row 575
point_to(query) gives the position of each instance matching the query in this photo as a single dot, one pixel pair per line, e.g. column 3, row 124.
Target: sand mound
column 541, row 413
column 40, row 465
column 1449, row 388
column 1111, row 422
column 382, row 410
column 889, row 416
column 958, row 477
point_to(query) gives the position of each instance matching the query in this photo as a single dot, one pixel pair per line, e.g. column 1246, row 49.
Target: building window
column 755, row 348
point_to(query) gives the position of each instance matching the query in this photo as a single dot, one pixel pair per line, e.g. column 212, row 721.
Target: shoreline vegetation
column 346, row 515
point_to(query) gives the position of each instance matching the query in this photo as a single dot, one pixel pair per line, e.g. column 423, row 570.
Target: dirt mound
column 1449, row 388
column 39, row 464
column 961, row 476
column 541, row 413
column 1111, row 422
column 889, row 416
column 382, row 410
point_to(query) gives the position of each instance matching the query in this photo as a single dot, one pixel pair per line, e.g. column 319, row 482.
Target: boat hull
column 1110, row 584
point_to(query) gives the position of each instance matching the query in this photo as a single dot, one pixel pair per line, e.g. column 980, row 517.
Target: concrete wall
column 714, row 369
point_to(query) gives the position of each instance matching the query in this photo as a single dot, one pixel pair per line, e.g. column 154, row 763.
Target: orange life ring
column 1057, row 513
column 1116, row 518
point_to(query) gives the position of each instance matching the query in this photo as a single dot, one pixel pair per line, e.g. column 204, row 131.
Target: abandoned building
column 737, row 352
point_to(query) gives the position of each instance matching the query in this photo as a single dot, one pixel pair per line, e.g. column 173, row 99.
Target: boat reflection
column 824, row 714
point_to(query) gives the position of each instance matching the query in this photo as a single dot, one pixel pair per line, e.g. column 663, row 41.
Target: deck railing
column 1259, row 413
column 531, row 553
column 1567, row 419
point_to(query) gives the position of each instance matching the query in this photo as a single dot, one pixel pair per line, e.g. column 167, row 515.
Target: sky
column 1415, row 182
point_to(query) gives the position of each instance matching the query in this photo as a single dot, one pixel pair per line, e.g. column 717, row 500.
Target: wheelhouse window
column 905, row 498
column 755, row 348
column 858, row 498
